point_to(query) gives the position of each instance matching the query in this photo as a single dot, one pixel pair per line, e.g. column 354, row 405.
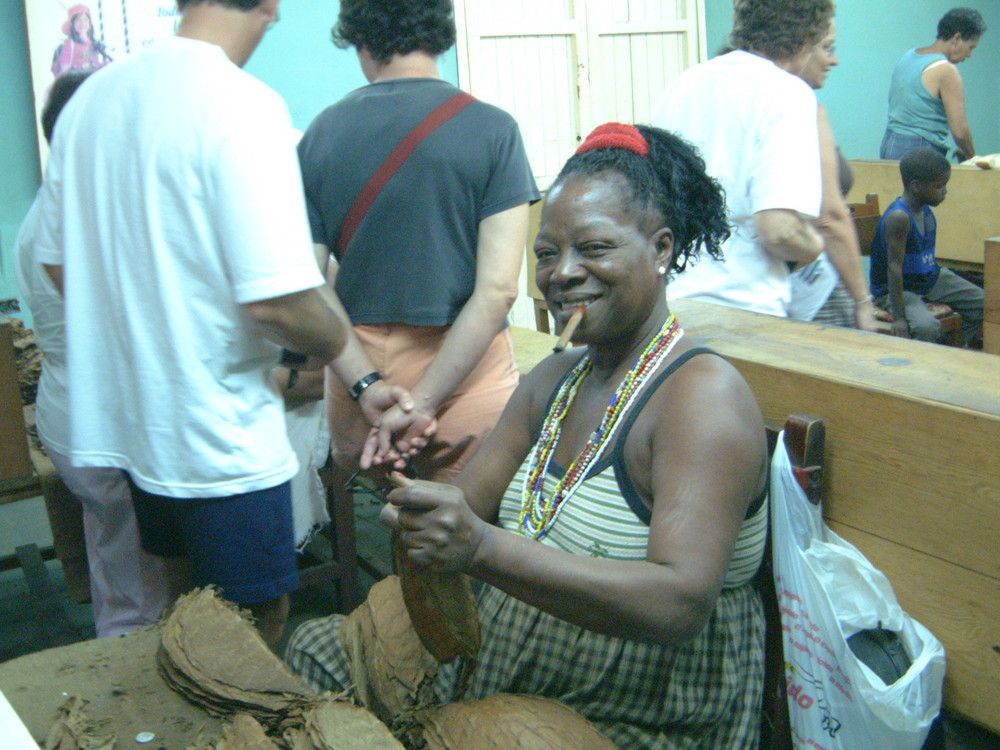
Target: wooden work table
column 966, row 219
column 912, row 466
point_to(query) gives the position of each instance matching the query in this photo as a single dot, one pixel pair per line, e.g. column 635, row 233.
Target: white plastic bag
column 827, row 591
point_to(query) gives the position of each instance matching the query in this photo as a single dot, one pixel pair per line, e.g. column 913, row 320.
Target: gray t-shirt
column 413, row 257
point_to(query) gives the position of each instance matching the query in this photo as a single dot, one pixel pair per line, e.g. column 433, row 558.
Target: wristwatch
column 358, row 388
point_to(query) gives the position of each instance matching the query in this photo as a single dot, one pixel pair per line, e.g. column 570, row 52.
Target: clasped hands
column 399, row 429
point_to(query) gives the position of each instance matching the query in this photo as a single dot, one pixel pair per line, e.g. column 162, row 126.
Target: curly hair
column 395, row 27
column 967, row 22
column 779, row 29
column 671, row 184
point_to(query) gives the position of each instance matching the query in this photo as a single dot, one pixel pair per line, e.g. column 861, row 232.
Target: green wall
column 871, row 37
column 18, row 144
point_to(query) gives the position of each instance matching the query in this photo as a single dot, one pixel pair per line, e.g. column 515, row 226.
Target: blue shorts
column 244, row 544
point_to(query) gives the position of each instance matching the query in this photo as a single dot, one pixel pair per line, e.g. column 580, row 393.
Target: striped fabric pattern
column 597, row 522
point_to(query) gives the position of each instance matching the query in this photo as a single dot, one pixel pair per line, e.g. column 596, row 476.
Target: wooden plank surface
column 119, row 677
column 915, row 370
column 967, row 217
column 954, row 604
column 991, row 283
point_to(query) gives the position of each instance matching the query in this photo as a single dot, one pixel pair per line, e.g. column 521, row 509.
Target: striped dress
column 705, row 693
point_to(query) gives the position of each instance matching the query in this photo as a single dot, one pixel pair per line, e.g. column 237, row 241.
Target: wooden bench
column 912, row 467
column 991, row 283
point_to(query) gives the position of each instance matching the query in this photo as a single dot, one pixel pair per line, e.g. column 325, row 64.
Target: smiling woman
column 616, row 549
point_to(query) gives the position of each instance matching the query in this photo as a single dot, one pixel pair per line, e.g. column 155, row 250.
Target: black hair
column 60, row 93
column 395, row 27
column 72, row 28
column 968, row 22
column 779, row 28
column 239, row 4
column 672, row 184
column 923, row 165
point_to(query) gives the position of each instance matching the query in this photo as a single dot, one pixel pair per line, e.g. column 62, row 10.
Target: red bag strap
column 391, row 165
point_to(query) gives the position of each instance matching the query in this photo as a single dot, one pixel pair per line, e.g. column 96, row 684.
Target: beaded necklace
column 539, row 513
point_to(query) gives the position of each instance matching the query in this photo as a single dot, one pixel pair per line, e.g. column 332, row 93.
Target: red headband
column 615, row 135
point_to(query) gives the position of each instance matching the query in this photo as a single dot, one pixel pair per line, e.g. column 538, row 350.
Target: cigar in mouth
column 570, row 329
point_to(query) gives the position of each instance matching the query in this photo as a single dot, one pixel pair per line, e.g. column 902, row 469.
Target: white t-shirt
column 46, row 306
column 172, row 197
column 756, row 127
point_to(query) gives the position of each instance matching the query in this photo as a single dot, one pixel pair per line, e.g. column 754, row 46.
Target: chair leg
column 340, row 503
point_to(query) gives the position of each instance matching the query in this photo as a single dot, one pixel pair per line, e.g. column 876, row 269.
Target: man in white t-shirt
column 755, row 124
column 173, row 221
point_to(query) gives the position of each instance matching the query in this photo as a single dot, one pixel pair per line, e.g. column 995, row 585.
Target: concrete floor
column 37, row 612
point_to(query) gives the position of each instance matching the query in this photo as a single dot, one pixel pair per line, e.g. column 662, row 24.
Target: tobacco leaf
column 212, row 655
column 442, row 608
column 392, row 671
column 340, row 725
column 506, row 722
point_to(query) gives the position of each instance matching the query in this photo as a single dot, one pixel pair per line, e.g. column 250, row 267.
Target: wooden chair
column 866, row 220
column 805, row 439
column 868, row 208
column 342, row 568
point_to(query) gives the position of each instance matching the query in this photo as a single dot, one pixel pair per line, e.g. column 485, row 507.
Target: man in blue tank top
column 927, row 97
column 904, row 269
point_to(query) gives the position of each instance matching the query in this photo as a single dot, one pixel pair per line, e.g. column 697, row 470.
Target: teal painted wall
column 871, row 37
column 18, row 144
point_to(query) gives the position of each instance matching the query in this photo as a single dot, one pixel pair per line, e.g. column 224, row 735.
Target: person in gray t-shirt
column 431, row 272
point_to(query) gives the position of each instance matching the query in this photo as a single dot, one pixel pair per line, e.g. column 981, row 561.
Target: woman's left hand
column 435, row 524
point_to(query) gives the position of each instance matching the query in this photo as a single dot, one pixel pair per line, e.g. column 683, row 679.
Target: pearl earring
column 661, row 271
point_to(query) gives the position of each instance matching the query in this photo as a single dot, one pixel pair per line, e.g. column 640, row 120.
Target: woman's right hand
column 436, row 526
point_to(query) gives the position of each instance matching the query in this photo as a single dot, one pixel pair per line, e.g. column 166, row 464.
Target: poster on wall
column 64, row 36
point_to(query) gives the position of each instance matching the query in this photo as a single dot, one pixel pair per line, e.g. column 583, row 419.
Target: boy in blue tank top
column 904, row 269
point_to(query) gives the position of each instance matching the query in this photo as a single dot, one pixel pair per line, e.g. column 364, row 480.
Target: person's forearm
column 895, row 284
column 353, row 362
column 788, row 236
column 464, row 346
column 303, row 322
column 638, row 600
column 966, row 147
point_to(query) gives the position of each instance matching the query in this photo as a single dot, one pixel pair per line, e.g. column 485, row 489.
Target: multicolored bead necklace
column 538, row 513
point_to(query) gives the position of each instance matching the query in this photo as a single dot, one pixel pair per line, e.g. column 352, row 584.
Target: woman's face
column 823, row 59
column 594, row 251
column 81, row 24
